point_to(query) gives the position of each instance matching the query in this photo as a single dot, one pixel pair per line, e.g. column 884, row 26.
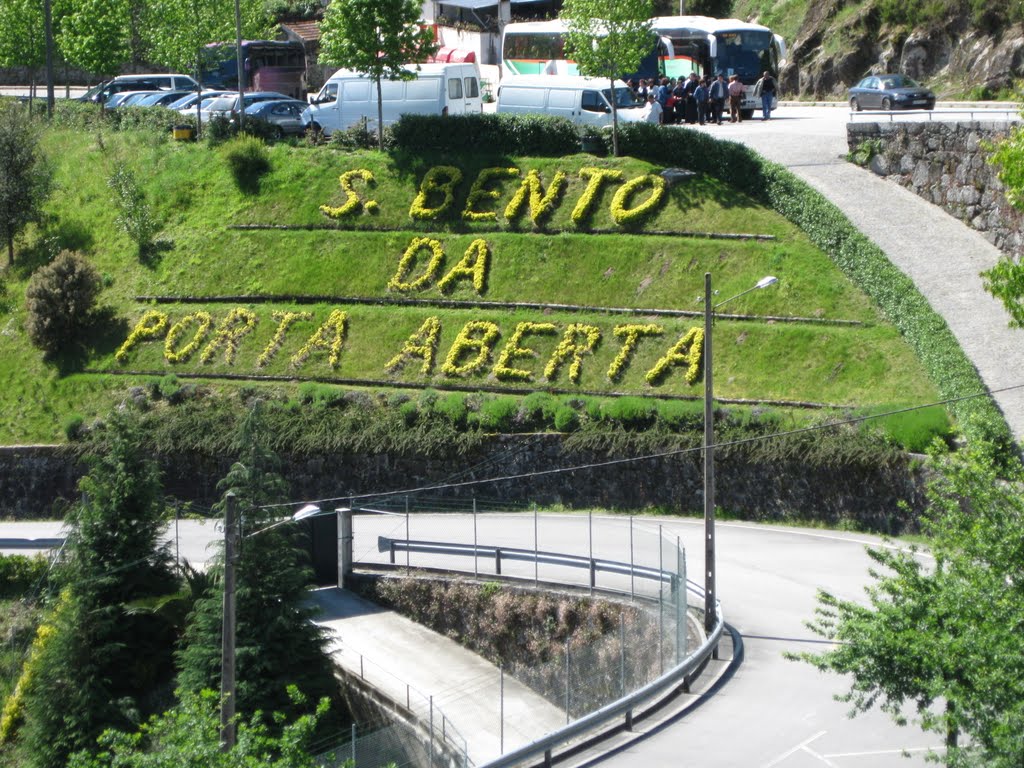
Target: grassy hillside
column 260, row 283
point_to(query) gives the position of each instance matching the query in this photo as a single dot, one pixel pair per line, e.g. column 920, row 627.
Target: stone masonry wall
column 946, row 164
column 32, row 480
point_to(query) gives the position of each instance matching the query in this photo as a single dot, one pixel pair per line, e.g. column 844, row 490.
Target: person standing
column 700, row 96
column 765, row 89
column 653, row 110
column 717, row 94
column 735, row 99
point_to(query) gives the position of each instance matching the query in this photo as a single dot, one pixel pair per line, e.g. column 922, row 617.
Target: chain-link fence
column 398, row 743
column 634, row 562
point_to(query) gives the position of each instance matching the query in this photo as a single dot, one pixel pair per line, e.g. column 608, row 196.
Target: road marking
column 887, row 752
column 820, row 758
column 794, row 750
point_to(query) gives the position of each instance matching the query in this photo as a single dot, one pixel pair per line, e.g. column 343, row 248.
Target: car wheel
column 747, row 114
column 886, row 104
column 277, row 132
column 854, row 105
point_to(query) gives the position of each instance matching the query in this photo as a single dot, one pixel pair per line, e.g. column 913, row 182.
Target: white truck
column 583, row 100
column 349, row 97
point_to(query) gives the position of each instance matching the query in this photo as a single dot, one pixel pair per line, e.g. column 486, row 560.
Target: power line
column 648, row 457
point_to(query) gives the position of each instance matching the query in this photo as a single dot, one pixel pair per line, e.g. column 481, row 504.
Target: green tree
column 608, row 38
column 96, row 35
column 378, row 38
column 178, row 31
column 25, row 177
column 277, row 644
column 945, row 636
column 22, row 41
column 189, row 735
column 104, row 665
column 1005, row 280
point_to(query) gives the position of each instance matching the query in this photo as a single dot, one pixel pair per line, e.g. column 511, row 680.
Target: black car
column 890, row 92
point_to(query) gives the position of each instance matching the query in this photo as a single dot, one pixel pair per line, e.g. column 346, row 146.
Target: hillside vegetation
column 350, row 315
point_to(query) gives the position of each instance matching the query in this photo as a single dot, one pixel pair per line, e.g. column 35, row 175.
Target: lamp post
column 710, row 594
column 241, row 68
column 232, row 538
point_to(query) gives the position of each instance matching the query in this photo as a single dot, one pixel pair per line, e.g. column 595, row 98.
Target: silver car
column 284, row 116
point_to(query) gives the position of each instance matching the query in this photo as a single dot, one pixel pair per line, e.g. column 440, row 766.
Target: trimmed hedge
column 537, row 135
column 861, row 260
column 87, row 116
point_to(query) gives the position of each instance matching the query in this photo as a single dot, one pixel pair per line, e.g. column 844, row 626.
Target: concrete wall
column 34, row 479
column 946, row 164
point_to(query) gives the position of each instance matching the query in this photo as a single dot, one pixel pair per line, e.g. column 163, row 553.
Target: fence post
column 661, row 603
column 501, row 711
column 353, row 743
column 567, row 681
column 622, row 654
column 431, row 731
column 536, row 550
column 632, row 567
column 476, row 571
column 590, row 536
column 680, row 602
column 497, row 560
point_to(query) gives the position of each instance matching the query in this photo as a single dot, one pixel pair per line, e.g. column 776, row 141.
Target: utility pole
column 48, row 25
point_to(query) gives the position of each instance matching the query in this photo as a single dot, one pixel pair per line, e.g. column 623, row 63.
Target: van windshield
column 624, row 98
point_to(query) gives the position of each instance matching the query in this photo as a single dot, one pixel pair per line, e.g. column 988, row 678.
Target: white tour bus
column 438, row 89
column 583, row 100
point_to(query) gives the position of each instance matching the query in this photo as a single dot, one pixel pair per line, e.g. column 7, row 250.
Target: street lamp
column 710, row 596
column 232, row 538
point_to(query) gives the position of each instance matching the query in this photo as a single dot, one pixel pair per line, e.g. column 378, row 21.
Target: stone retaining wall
column 946, row 164
column 33, row 480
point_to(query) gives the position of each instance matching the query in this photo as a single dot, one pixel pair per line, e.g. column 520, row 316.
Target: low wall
column 34, row 479
column 947, row 164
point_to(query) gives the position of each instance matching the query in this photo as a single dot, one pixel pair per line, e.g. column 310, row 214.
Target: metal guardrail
column 622, row 707
column 1009, row 114
column 31, row 543
column 593, row 564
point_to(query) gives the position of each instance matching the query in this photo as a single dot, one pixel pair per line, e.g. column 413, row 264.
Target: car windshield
column 623, row 98
column 219, row 104
column 898, row 81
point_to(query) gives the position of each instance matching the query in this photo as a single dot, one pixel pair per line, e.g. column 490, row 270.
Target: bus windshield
column 745, row 53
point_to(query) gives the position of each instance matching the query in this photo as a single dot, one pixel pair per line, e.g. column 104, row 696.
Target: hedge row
column 861, row 260
column 516, row 135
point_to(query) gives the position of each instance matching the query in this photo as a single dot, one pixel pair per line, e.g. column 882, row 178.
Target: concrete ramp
column 390, row 652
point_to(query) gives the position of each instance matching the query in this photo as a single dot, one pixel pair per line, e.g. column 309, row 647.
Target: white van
column 583, row 100
column 439, row 89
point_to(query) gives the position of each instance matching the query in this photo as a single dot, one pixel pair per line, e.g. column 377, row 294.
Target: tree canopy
column 943, row 631
column 377, row 38
column 608, row 38
column 25, row 177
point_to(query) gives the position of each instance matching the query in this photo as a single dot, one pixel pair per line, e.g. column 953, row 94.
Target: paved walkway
column 942, row 255
column 392, row 652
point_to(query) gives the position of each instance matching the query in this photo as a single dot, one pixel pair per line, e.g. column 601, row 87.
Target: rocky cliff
column 957, row 48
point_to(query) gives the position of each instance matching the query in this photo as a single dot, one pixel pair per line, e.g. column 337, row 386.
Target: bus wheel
column 747, row 114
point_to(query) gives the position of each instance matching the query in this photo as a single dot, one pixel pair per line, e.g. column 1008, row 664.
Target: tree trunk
column 380, row 118
column 615, row 120
column 10, row 251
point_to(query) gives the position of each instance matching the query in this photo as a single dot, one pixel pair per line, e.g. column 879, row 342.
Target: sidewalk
column 942, row 255
column 392, row 652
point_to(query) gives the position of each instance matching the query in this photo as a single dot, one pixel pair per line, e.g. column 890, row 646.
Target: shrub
column 680, row 415
column 537, row 411
column 632, row 413
column 135, row 216
column 73, row 427
column 248, row 160
column 566, row 419
column 60, row 299
column 913, row 430
column 360, row 136
column 19, row 574
column 499, row 414
column 515, row 134
column 453, row 407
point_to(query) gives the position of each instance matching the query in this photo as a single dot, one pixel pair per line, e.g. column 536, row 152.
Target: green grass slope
column 259, row 283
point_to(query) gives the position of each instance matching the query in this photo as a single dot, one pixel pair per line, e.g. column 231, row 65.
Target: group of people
column 697, row 100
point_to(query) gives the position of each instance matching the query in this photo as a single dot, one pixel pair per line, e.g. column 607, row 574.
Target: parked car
column 226, row 106
column 125, row 98
column 187, row 104
column 582, row 100
column 284, row 117
column 890, row 92
column 135, row 99
column 160, row 99
column 103, row 91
